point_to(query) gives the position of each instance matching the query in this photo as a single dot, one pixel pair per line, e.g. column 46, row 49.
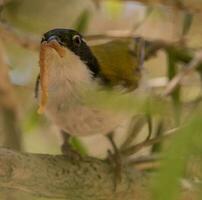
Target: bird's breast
column 68, row 79
column 67, row 109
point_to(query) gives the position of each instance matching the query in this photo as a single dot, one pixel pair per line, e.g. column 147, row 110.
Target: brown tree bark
column 58, row 176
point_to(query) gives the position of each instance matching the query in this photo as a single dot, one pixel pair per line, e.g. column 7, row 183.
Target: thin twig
column 150, row 127
column 145, row 166
column 159, row 132
column 135, row 148
column 145, row 162
column 179, row 77
column 118, row 34
column 143, row 159
column 134, row 129
column 27, row 41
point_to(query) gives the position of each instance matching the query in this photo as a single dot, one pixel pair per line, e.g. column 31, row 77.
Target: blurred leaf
column 78, row 145
column 126, row 103
column 114, row 7
column 31, row 121
column 82, row 21
column 166, row 184
column 156, row 148
column 172, row 71
column 187, row 22
column 149, row 10
column 158, row 12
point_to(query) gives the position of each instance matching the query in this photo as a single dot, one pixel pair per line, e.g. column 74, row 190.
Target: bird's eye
column 76, row 40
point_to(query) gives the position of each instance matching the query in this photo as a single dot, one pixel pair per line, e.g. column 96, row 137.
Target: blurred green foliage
column 172, row 68
column 31, row 121
column 78, row 146
column 114, row 8
column 128, row 103
column 166, row 184
column 82, row 21
column 187, row 22
column 39, row 16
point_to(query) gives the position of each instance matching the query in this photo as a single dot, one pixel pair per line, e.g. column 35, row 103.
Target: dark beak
column 53, row 37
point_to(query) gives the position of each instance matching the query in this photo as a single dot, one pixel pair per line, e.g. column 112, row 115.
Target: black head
column 74, row 41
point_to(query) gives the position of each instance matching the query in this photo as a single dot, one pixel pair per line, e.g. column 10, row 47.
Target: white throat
column 68, row 79
column 68, row 69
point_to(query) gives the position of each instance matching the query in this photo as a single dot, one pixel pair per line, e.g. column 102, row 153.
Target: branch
column 172, row 85
column 134, row 129
column 57, row 176
column 148, row 142
column 27, row 41
column 143, row 163
column 9, row 122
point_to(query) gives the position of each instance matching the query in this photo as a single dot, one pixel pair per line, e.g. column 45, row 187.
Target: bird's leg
column 115, row 160
column 36, row 89
column 66, row 148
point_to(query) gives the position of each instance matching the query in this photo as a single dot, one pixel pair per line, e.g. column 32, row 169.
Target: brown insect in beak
column 43, row 78
column 44, row 70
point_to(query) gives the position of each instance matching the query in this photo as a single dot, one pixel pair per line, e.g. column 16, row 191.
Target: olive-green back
column 118, row 65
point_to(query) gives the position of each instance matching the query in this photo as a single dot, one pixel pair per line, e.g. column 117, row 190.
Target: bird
column 69, row 66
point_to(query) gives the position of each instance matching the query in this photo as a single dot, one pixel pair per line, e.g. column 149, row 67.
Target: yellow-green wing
column 118, row 65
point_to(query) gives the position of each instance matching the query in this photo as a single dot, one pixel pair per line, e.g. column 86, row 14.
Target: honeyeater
column 69, row 67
